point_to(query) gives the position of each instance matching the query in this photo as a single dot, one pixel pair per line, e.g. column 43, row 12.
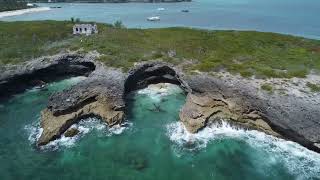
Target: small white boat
column 153, row 18
column 161, row 9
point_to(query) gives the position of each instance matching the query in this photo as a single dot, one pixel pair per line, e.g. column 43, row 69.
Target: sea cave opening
column 154, row 91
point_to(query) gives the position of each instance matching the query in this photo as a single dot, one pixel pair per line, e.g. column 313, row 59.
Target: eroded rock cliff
column 209, row 99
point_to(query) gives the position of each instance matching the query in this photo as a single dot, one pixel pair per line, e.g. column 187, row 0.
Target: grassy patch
column 245, row 52
column 9, row 5
column 21, row 41
column 313, row 87
column 267, row 87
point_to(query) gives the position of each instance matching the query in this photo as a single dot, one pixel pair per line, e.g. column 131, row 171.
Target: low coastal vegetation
column 9, row 5
column 249, row 53
column 267, row 87
column 314, row 87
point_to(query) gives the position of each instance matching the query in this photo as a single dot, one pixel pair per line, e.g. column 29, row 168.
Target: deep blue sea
column 297, row 17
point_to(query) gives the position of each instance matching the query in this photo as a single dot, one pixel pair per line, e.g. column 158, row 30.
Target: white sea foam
column 297, row 159
column 85, row 126
column 119, row 129
column 157, row 91
column 34, row 132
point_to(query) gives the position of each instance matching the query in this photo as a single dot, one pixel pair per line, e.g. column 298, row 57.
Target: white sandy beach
column 23, row 11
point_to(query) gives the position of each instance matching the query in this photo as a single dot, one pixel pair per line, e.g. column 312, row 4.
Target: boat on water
column 185, row 10
column 161, row 9
column 153, row 18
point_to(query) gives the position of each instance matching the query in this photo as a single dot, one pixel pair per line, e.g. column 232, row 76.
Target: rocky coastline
column 209, row 98
column 16, row 78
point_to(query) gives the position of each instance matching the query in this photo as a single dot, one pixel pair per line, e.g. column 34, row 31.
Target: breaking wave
column 297, row 159
column 84, row 126
column 157, row 91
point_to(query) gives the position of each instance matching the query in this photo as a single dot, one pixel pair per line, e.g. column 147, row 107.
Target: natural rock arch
column 152, row 73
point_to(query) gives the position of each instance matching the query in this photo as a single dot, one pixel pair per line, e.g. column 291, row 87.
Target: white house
column 86, row 29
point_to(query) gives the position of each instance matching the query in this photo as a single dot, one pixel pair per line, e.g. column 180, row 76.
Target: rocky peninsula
column 210, row 97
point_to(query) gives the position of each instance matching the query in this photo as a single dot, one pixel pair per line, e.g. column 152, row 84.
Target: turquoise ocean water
column 151, row 144
column 298, row 17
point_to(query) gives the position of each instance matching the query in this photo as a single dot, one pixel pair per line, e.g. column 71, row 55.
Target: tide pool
column 150, row 144
column 297, row 17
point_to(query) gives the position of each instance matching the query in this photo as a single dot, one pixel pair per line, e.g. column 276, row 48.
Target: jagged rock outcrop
column 16, row 78
column 100, row 95
column 71, row 132
column 285, row 116
column 203, row 109
column 209, row 98
column 151, row 73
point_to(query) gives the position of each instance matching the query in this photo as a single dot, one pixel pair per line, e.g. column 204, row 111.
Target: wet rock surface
column 206, row 108
column 209, row 98
column 71, row 132
column 287, row 116
column 100, row 95
column 16, row 78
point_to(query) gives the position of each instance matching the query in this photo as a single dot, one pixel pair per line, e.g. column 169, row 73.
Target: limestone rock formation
column 16, row 78
column 290, row 117
column 71, row 132
column 151, row 73
column 209, row 98
column 100, row 95
column 203, row 109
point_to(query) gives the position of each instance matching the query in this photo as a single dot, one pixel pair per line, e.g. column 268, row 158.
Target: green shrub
column 247, row 53
column 313, row 87
column 267, row 87
column 118, row 24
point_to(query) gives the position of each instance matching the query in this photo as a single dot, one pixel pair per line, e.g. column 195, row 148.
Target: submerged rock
column 156, row 108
